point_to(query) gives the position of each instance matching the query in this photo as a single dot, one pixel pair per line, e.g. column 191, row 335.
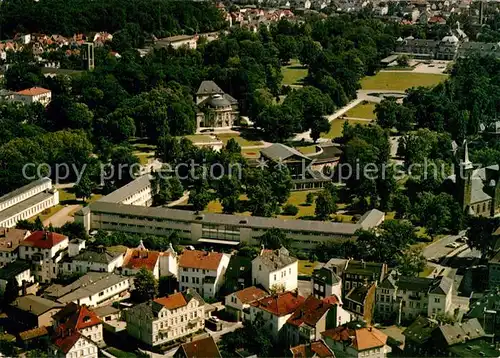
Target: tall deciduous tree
column 145, row 286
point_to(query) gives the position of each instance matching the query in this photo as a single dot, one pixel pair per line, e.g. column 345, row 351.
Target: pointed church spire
column 466, row 163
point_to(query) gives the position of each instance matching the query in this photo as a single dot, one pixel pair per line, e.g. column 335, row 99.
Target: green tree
column 480, row 233
column 166, row 285
column 325, row 205
column 274, row 239
column 411, row 262
column 38, row 224
column 309, row 198
column 403, row 61
column 11, row 292
column 83, row 189
column 145, row 286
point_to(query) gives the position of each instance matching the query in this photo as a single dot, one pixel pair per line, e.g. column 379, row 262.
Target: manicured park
column 294, row 73
column 362, row 110
column 400, row 81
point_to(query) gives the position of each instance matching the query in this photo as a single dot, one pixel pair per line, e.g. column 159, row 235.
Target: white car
column 453, row 245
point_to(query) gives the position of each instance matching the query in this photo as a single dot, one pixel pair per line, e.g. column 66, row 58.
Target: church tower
column 463, row 174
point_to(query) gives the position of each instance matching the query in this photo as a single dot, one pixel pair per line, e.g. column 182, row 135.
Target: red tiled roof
column 250, row 294
column 76, row 318
column 309, row 312
column 332, row 300
column 315, row 349
column 280, row 304
column 173, row 301
column 43, row 239
column 206, row 348
column 364, row 338
column 66, row 342
column 200, row 259
column 137, row 258
column 33, row 333
column 33, row 91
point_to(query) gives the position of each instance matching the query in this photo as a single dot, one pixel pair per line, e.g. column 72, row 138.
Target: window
column 437, row 300
column 260, row 267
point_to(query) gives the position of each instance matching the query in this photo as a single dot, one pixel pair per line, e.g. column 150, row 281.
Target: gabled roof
column 33, row 333
column 360, row 339
column 420, row 330
column 35, row 304
column 441, row 285
column 250, row 294
column 204, row 260
column 173, row 301
column 98, row 255
column 13, row 269
column 276, row 259
column 11, row 238
column 137, row 258
column 43, row 239
column 460, row 332
column 76, row 317
column 314, row 349
column 310, row 312
column 202, row 348
column 33, row 91
column 209, row 88
column 280, row 304
column 64, row 341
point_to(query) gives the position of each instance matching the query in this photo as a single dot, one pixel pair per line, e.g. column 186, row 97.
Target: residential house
column 275, row 310
column 202, row 271
column 360, row 302
column 359, row 273
column 311, row 318
column 92, row 289
column 79, row 319
column 19, row 271
column 275, row 270
column 72, row 344
column 404, row 298
column 135, row 259
column 33, row 311
column 34, row 95
column 45, row 250
column 188, row 41
column 97, row 259
column 216, row 109
column 9, row 244
column 316, row 349
column 418, row 335
column 238, row 303
column 487, row 311
column 352, row 340
column 205, row 347
column 325, row 281
column 166, row 319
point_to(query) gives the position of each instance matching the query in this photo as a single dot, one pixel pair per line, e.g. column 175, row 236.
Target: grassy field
column 362, row 111
column 306, row 267
column 308, row 149
column 224, row 137
column 337, row 127
column 200, row 138
column 400, row 81
column 294, row 73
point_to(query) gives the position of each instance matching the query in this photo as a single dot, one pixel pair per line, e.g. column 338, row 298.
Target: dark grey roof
column 13, row 269
column 218, row 101
column 209, row 88
column 126, row 191
column 276, row 259
column 460, row 332
column 490, row 301
column 35, row 304
column 97, row 256
column 105, row 310
column 257, row 222
column 23, row 205
column 364, row 268
column 419, row 284
column 23, row 189
column 230, row 98
column 441, row 285
column 371, row 218
column 326, row 275
column 420, row 330
column 279, row 151
column 389, row 282
column 358, row 294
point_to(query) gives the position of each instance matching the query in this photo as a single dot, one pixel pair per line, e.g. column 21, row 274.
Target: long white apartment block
column 27, row 201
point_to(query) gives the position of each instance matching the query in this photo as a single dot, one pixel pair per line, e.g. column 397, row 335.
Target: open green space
column 400, row 81
column 308, row 149
column 201, row 138
column 294, row 73
column 362, row 110
column 225, row 137
column 337, row 127
column 306, row 267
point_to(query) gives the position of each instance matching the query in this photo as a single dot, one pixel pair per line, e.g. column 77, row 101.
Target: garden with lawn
column 362, row 110
column 337, row 127
column 400, row 81
column 293, row 73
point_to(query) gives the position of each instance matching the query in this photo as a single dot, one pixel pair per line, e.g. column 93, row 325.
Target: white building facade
column 275, row 270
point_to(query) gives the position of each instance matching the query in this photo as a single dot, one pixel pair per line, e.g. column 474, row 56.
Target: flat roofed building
column 27, row 202
column 189, row 41
column 137, row 192
column 92, row 289
column 9, row 244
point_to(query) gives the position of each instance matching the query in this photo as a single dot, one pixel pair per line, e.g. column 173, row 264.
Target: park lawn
column 298, row 198
column 426, row 272
column 143, row 147
column 294, row 73
column 337, row 127
column 225, row 137
column 66, row 194
column 309, row 149
column 47, row 213
column 306, row 267
column 362, row 110
column 396, row 81
column 143, row 157
column 200, row 138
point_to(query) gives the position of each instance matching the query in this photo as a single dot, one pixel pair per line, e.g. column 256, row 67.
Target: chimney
column 363, row 263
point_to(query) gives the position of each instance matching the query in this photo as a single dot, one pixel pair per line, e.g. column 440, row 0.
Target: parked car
column 462, row 239
column 453, row 245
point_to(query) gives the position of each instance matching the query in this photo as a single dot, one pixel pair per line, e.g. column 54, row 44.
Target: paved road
column 438, row 248
column 62, row 216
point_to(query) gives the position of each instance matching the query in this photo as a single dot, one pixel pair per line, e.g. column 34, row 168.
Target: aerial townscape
column 249, row 178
